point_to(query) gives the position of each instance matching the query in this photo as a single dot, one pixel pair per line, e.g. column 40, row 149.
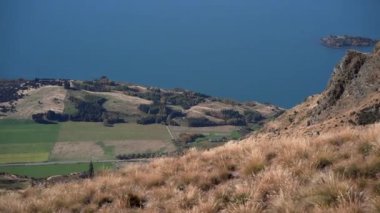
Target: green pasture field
column 83, row 140
column 91, row 131
column 26, row 141
column 27, row 131
column 24, row 157
column 42, row 171
column 215, row 130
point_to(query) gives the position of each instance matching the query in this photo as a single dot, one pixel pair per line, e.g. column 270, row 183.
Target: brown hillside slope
column 329, row 173
column 351, row 98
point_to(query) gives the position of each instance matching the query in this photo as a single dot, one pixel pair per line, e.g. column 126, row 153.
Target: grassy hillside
column 334, row 172
column 110, row 102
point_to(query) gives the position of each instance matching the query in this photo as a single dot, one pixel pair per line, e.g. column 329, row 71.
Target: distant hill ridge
column 107, row 101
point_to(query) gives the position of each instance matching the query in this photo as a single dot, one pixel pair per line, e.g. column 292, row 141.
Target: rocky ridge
column 351, row 98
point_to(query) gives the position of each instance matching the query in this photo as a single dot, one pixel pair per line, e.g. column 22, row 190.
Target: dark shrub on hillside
column 40, row 118
column 5, row 109
column 92, row 86
column 156, row 109
column 106, row 123
column 252, row 116
column 173, row 123
column 185, row 138
column 126, row 88
column 151, row 109
column 110, row 118
column 152, row 94
column 230, row 117
column 9, row 90
column 185, row 99
column 54, row 116
column 200, row 122
column 160, row 119
column 103, row 84
column 236, row 122
column 230, row 114
column 89, row 110
column 158, row 114
column 144, row 108
column 218, row 139
column 155, row 97
column 50, row 117
column 229, row 102
column 214, row 113
column 66, row 85
column 150, row 119
column 139, row 155
column 174, row 114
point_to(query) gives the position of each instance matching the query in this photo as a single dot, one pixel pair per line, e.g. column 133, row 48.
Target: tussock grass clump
column 323, row 163
column 254, row 165
column 333, row 172
column 365, row 148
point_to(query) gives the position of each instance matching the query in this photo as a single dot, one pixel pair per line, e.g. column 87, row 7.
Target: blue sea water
column 265, row 50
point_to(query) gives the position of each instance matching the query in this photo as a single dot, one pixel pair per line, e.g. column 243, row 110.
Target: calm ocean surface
column 265, row 50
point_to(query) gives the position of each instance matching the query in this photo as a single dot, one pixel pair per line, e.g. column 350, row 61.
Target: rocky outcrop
column 344, row 74
column 14, row 182
column 334, row 41
column 369, row 115
column 376, row 50
column 351, row 98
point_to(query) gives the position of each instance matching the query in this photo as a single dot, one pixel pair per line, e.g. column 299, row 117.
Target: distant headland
column 339, row 41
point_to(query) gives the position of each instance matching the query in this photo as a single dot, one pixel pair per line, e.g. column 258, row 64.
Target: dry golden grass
column 76, row 151
column 39, row 100
column 334, row 172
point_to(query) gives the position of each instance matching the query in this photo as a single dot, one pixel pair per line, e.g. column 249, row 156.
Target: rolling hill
column 103, row 100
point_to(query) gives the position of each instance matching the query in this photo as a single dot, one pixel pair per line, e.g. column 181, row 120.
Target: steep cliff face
column 352, row 97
